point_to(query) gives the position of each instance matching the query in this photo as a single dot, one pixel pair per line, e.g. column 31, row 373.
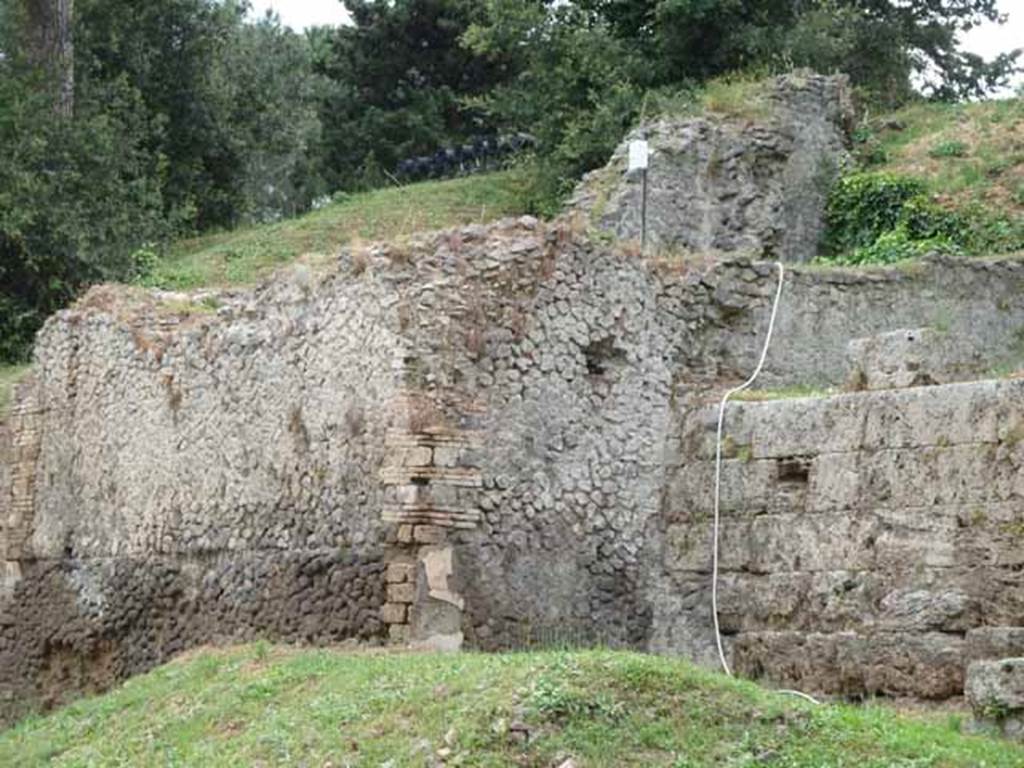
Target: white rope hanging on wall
column 718, row 477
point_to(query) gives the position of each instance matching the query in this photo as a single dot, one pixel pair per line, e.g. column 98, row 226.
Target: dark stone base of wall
column 62, row 636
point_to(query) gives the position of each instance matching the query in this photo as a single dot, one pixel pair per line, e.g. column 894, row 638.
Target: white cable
column 718, row 478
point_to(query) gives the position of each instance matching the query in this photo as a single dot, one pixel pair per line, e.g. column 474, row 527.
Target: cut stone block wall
column 863, row 536
column 976, row 302
column 496, row 436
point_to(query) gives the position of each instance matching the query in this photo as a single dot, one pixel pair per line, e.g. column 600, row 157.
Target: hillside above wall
column 749, row 168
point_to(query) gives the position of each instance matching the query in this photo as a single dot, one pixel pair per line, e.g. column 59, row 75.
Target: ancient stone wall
column 753, row 183
column 182, row 478
column 977, row 304
column 863, row 537
column 491, row 437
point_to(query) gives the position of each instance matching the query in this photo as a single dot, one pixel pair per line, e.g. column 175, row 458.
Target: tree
column 585, row 68
column 185, row 117
column 884, row 44
column 402, row 78
column 577, row 89
column 77, row 198
column 234, row 105
column 47, row 45
column 170, row 52
column 275, row 115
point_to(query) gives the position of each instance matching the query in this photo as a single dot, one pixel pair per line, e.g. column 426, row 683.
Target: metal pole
column 643, row 214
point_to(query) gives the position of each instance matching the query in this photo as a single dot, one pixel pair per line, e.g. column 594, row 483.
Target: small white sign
column 638, row 155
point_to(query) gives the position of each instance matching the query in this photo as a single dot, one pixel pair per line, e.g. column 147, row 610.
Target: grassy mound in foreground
column 246, row 255
column 267, row 706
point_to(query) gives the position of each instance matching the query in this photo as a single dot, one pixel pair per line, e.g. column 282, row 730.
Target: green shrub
column 893, row 246
column 985, row 232
column 924, row 220
column 882, row 218
column 144, row 260
column 872, row 153
column 948, row 149
column 868, row 149
column 864, row 206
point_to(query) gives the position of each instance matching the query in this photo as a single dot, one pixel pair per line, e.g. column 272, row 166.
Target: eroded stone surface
column 996, row 685
column 754, row 184
column 913, row 357
column 995, row 691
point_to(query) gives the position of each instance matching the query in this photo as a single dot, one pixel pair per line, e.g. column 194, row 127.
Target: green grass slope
column 969, row 154
column 952, row 180
column 263, row 706
column 245, row 255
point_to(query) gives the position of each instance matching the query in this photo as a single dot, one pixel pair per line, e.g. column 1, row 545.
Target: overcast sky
column 987, row 40
column 299, row 14
column 990, row 39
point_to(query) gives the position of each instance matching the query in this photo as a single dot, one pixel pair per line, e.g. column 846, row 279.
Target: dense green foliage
column 402, row 76
column 184, row 116
column 579, row 89
column 76, row 197
column 266, row 706
column 865, row 206
column 591, row 67
column 964, row 162
column 882, row 218
column 233, row 106
column 880, row 43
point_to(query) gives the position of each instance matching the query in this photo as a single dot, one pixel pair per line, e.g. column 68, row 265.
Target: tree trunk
column 51, row 47
column 66, row 57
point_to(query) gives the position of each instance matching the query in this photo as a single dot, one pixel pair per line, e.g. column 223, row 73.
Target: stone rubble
column 910, row 358
column 995, row 691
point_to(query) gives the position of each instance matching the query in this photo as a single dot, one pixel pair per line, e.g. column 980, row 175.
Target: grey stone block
column 910, row 358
